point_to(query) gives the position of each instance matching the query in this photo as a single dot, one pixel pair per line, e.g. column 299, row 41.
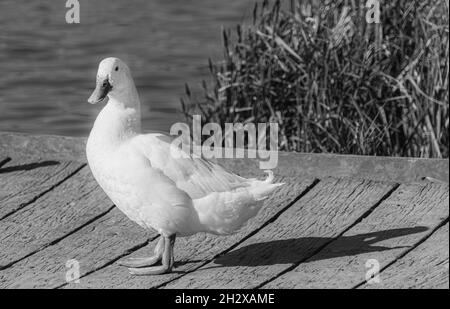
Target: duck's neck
column 119, row 120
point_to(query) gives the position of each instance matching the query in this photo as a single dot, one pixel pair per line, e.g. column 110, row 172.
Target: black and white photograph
column 229, row 151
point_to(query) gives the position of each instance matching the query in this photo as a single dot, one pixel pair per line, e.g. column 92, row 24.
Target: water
column 48, row 67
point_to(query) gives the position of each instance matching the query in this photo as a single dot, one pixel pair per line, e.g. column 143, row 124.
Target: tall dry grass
column 335, row 83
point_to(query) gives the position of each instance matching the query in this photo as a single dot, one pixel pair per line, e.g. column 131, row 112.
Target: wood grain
column 316, row 219
column 192, row 252
column 289, row 164
column 59, row 212
column 425, row 267
column 309, row 234
column 400, row 222
column 23, row 181
column 92, row 247
column 50, row 147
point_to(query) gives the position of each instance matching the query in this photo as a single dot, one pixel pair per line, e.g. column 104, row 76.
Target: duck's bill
column 100, row 92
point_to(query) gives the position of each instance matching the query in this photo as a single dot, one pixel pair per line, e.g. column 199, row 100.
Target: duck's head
column 113, row 80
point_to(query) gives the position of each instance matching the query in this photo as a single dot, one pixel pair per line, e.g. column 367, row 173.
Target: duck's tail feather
column 226, row 212
column 262, row 189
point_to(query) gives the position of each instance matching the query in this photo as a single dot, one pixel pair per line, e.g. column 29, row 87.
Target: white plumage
column 153, row 182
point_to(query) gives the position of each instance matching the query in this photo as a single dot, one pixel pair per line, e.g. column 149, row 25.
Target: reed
column 333, row 82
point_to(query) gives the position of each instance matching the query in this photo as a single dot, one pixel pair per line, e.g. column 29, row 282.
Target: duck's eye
column 117, row 68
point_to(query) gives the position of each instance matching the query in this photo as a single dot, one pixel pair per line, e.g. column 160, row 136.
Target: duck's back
column 222, row 200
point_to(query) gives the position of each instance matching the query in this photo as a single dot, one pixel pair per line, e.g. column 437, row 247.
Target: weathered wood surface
column 424, row 267
column 24, row 181
column 193, row 252
column 51, row 217
column 411, row 213
column 289, row 164
column 313, row 221
column 316, row 231
column 93, row 246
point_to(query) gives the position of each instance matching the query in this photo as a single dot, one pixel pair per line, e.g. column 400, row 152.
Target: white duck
column 173, row 195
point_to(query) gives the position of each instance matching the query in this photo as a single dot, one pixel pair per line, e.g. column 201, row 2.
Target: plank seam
column 55, row 241
column 406, row 252
column 319, row 249
column 24, row 172
column 38, row 196
column 126, row 253
column 4, row 161
column 269, row 221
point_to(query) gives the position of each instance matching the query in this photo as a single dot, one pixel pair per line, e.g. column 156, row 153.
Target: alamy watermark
column 232, row 142
column 235, row 141
column 73, row 272
column 372, row 14
column 373, row 11
column 373, row 272
column 73, row 12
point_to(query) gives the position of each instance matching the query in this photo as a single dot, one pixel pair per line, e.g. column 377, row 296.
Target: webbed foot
column 167, row 260
column 146, row 261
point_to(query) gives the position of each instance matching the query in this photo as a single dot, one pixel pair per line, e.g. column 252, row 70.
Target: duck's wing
column 196, row 176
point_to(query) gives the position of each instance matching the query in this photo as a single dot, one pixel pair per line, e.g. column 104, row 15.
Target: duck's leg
column 147, row 261
column 167, row 260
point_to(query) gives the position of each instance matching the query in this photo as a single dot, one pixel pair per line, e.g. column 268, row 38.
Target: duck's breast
column 144, row 193
column 121, row 175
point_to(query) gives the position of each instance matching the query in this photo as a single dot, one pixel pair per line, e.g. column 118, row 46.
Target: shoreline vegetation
column 334, row 82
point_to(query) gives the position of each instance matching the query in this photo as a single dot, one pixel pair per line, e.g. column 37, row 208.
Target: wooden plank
column 400, row 222
column 289, row 163
column 425, row 267
column 61, row 211
column 192, row 252
column 92, row 247
column 363, row 167
column 22, row 182
column 50, row 147
column 316, row 219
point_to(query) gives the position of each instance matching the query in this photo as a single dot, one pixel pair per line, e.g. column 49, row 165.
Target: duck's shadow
column 288, row 251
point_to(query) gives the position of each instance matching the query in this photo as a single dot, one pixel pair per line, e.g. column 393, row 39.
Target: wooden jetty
column 337, row 221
